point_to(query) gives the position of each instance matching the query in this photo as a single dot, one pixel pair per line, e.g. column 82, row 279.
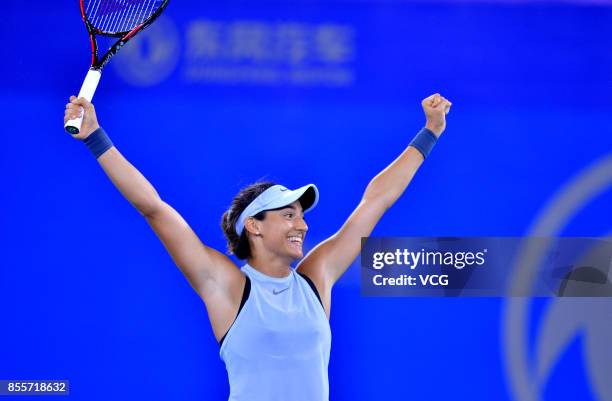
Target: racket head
column 119, row 18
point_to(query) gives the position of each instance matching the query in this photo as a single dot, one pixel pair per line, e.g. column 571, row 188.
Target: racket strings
column 114, row 16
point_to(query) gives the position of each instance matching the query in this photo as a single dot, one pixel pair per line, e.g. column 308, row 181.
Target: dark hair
column 239, row 245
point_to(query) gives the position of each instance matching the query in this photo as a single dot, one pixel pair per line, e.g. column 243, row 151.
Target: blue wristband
column 98, row 142
column 424, row 142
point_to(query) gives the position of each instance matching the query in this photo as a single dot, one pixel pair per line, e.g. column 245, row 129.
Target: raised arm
column 326, row 263
column 209, row 272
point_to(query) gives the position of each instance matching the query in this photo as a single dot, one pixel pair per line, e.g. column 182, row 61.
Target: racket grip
column 87, row 91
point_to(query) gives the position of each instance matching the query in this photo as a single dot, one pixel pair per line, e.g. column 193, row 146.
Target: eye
column 289, row 215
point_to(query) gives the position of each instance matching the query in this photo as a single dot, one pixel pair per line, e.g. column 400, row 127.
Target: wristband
column 424, row 142
column 98, row 142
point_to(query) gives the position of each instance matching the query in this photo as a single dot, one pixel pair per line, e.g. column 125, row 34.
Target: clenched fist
column 81, row 107
column 436, row 108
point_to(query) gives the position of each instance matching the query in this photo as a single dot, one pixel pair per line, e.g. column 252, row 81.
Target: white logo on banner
column 150, row 57
column 563, row 319
column 269, row 53
column 241, row 52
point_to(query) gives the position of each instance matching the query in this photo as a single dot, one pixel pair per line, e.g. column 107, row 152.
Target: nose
column 300, row 224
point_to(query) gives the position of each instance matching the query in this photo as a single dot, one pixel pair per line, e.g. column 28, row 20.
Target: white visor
column 278, row 196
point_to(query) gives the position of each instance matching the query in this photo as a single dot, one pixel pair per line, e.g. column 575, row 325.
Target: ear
column 253, row 226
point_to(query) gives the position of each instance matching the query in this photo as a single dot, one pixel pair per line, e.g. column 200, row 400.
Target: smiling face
column 282, row 232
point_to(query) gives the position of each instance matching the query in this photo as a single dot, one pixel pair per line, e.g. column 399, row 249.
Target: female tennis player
column 272, row 321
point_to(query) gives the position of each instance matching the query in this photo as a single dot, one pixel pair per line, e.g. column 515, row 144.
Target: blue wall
column 88, row 294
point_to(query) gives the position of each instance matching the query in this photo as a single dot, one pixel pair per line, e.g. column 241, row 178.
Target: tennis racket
column 121, row 19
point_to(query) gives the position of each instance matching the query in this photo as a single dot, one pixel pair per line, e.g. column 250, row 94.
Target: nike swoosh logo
column 278, row 292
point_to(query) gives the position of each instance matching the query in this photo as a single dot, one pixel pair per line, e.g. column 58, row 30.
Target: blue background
column 88, row 294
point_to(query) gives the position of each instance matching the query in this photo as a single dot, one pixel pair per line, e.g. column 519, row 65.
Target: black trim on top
column 314, row 288
column 245, row 296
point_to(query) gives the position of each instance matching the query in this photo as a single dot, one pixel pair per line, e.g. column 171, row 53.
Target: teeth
column 295, row 239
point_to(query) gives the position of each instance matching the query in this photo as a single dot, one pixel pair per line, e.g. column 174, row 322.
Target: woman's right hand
column 75, row 109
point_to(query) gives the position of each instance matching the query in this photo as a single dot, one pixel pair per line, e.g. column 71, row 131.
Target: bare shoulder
column 223, row 274
column 216, row 279
column 314, row 270
column 222, row 293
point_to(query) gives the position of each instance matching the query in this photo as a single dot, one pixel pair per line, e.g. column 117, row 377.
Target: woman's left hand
column 436, row 107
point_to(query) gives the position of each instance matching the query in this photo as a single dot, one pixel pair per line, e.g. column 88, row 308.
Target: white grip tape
column 87, row 91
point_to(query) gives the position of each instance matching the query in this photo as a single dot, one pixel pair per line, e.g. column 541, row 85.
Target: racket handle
column 87, row 91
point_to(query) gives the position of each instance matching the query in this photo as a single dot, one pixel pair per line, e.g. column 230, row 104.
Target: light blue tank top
column 278, row 347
